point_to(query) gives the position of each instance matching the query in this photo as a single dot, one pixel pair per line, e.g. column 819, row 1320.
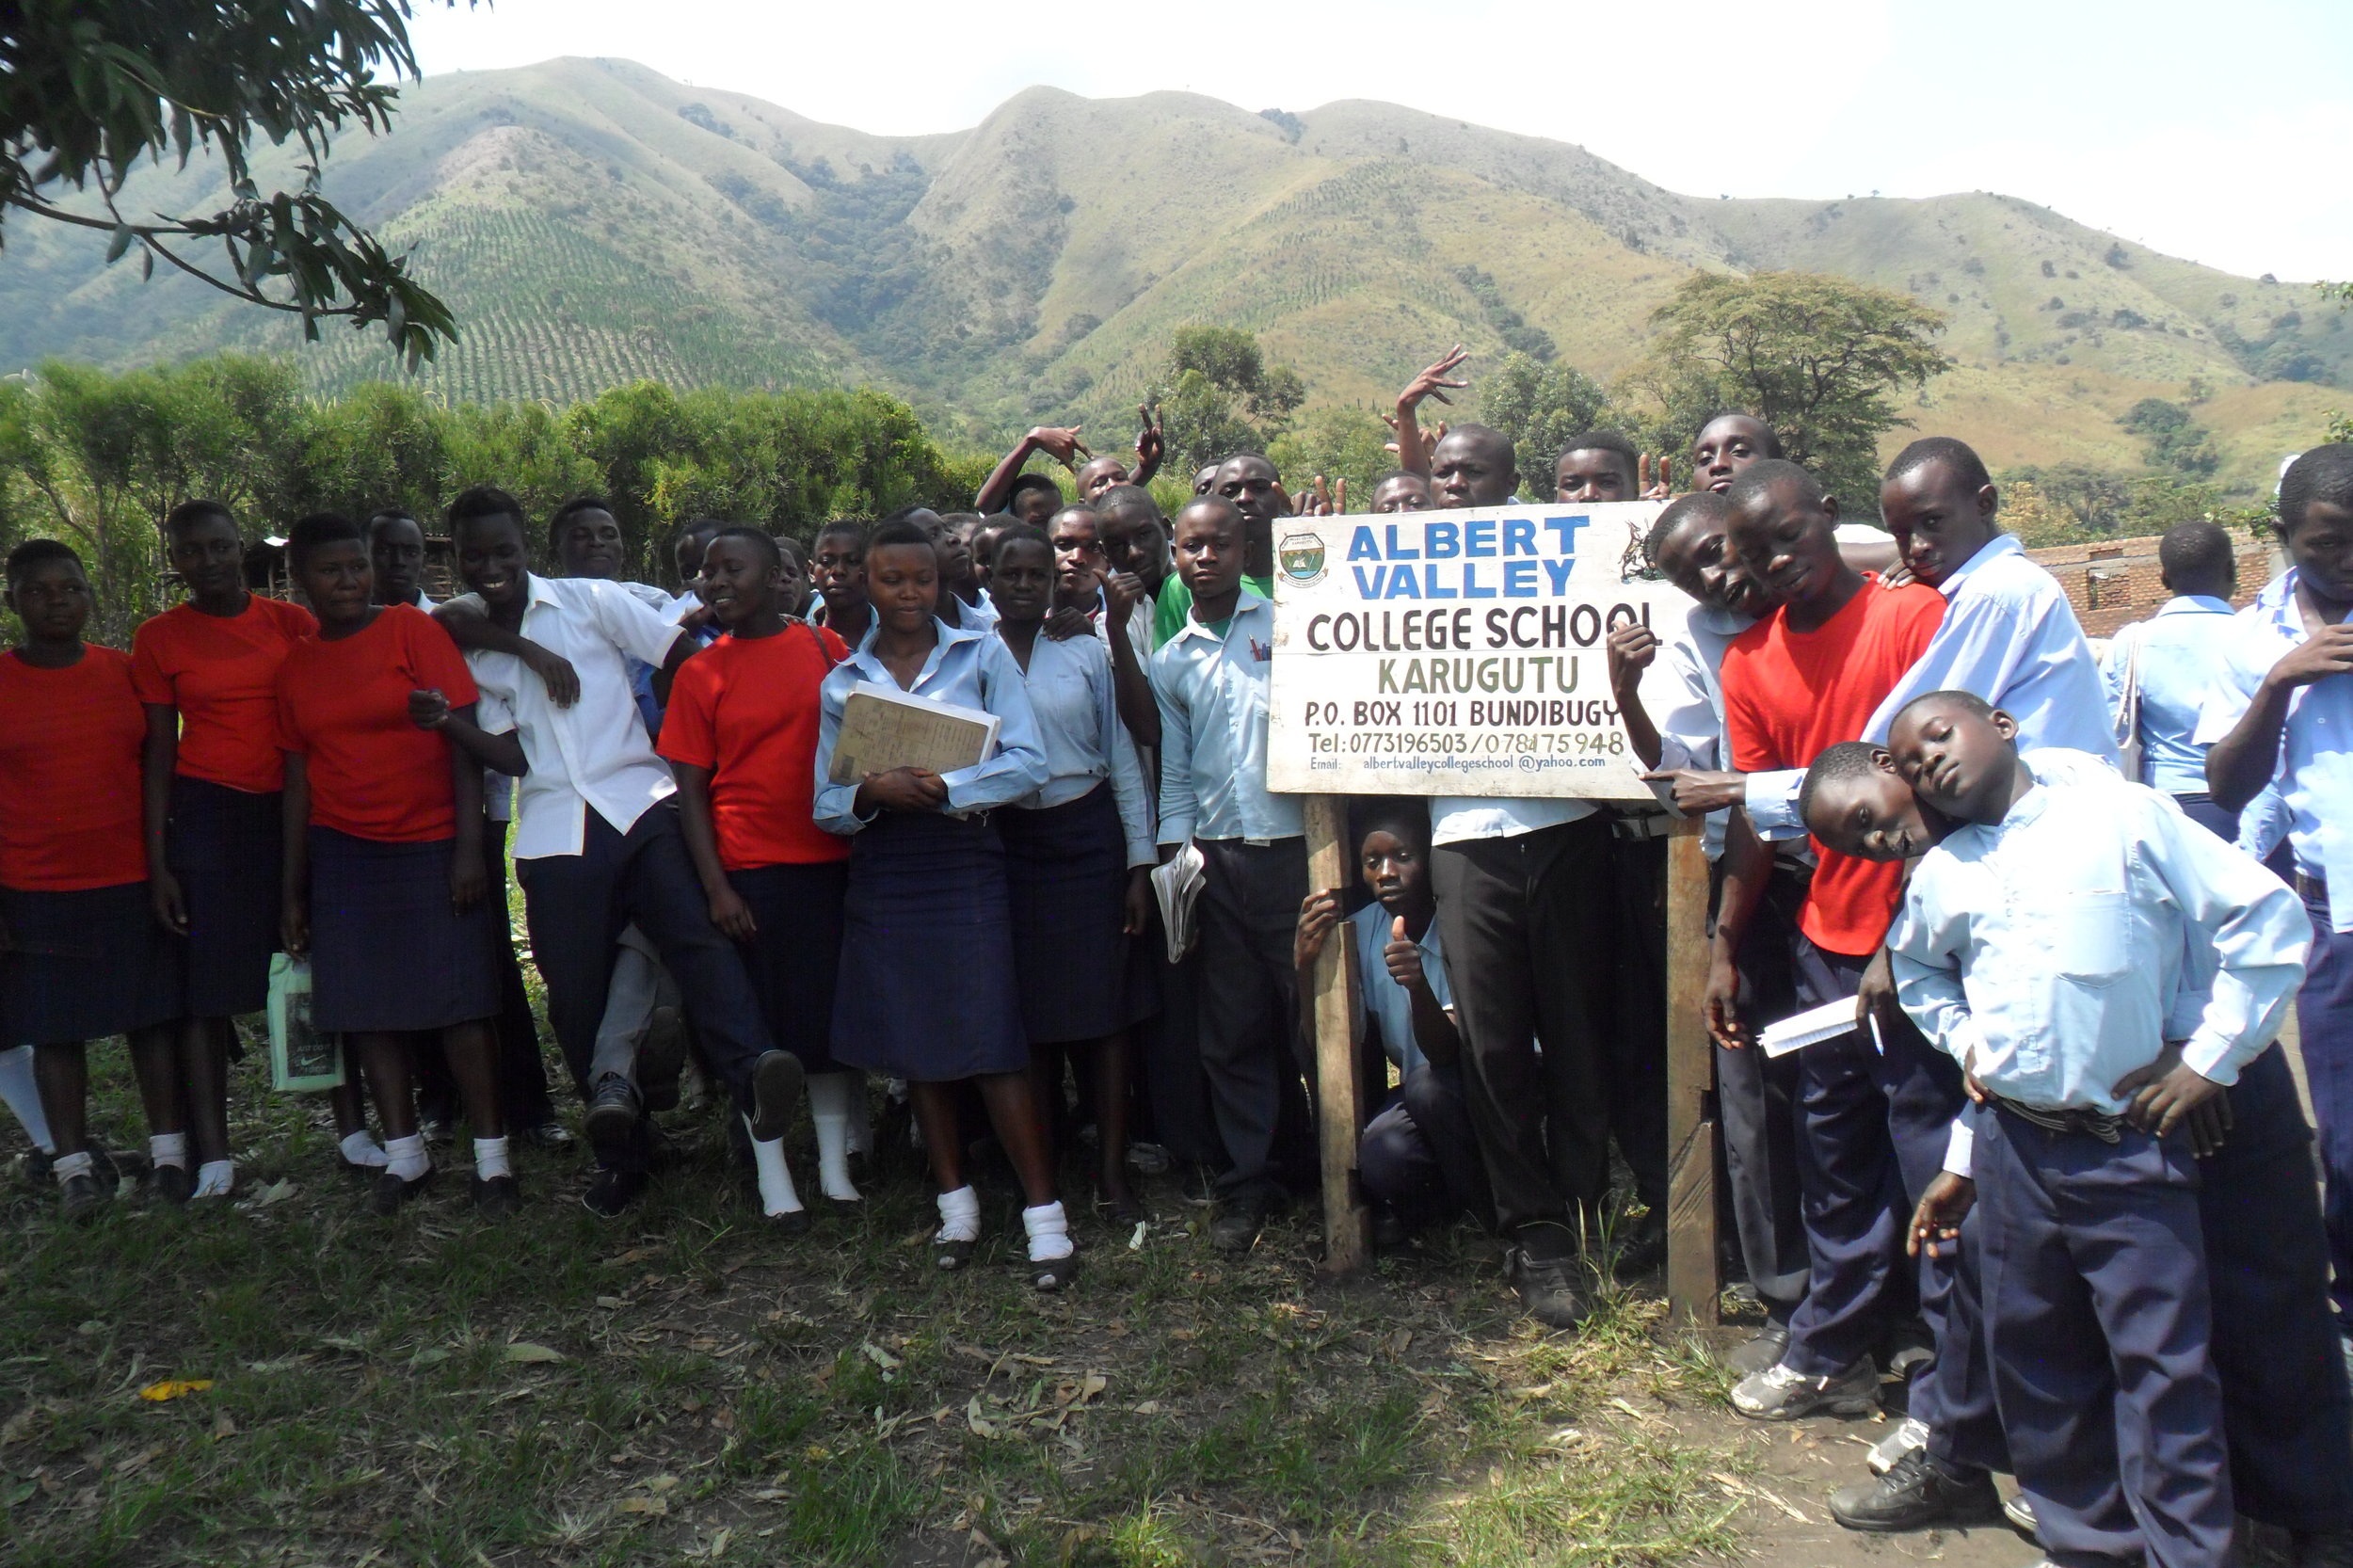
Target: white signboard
column 1458, row 653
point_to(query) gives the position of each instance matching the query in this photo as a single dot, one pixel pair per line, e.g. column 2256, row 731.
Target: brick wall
column 2116, row 582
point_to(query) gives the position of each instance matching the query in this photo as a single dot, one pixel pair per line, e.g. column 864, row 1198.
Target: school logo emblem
column 1302, row 555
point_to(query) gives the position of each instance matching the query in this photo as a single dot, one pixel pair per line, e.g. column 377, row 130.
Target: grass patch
column 685, row 1386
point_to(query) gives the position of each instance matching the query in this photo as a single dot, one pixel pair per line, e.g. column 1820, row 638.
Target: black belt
column 2101, row 1125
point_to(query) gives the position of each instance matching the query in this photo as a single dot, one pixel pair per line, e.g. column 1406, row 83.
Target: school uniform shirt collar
column 596, row 754
column 2195, row 605
column 1195, row 626
column 868, row 660
column 1991, row 551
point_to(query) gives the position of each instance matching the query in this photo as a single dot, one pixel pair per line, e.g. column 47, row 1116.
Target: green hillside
column 594, row 222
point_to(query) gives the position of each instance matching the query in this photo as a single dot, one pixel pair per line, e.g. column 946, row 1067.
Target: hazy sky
column 2217, row 132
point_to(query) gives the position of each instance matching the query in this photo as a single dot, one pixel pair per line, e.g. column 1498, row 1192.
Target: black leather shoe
column 81, row 1196
column 793, row 1223
column 777, row 1083
column 497, row 1197
column 1238, row 1223
column 1765, row 1349
column 174, row 1185
column 1917, row 1495
column 390, row 1193
column 661, row 1058
column 1547, row 1288
column 614, row 1112
column 549, row 1134
column 611, row 1191
column 1644, row 1248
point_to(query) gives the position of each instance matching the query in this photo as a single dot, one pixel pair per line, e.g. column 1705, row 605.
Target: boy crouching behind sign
column 1418, row 1156
column 1210, row 678
column 2102, row 967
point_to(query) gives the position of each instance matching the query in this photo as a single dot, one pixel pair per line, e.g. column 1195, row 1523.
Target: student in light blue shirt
column 1079, row 855
column 2280, row 717
column 2170, row 663
column 2008, row 633
column 1210, row 680
column 927, row 989
column 2103, row 968
column 1417, row 1158
column 2287, row 1413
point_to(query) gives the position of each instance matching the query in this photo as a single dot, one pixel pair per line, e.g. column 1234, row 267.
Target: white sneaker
column 1909, row 1436
column 1781, row 1393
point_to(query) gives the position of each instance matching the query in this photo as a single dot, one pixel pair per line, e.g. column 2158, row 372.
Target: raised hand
column 1061, row 444
column 1435, row 380
column 1151, row 442
column 1662, row 487
column 1633, row 647
column 1313, row 500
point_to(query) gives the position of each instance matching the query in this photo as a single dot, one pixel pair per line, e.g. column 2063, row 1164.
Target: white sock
column 406, row 1157
column 959, row 1215
column 489, row 1159
column 216, row 1179
column 169, row 1148
column 1049, row 1232
column 360, row 1149
column 22, row 1096
column 70, row 1165
column 777, row 1194
column 829, row 1110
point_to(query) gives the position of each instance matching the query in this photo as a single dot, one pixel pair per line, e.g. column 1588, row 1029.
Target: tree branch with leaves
column 91, row 92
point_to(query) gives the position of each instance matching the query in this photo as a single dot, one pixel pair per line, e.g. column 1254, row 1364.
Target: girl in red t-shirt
column 384, row 882
column 207, row 673
column 741, row 734
column 81, row 955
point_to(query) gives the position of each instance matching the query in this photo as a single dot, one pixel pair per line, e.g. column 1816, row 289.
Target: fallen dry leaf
column 523, row 1350
column 173, row 1388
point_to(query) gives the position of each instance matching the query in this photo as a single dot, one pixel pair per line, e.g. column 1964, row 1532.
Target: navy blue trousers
column 2324, row 1019
column 577, row 905
column 1877, row 1127
column 1419, row 1155
column 2097, row 1324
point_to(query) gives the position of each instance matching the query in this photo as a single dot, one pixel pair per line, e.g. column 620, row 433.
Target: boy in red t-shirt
column 1875, row 1108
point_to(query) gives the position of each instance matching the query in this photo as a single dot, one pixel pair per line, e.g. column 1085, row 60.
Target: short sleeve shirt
column 71, row 812
column 221, row 672
column 749, row 710
column 343, row 707
column 1790, row 695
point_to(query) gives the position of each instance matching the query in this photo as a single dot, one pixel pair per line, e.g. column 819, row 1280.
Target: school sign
column 1458, row 653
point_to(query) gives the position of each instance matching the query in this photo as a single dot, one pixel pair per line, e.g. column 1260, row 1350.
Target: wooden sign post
column 1692, row 1284
column 1339, row 1121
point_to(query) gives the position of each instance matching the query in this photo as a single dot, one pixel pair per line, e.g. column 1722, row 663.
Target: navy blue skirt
column 388, row 952
column 226, row 846
column 84, row 965
column 795, row 957
column 927, row 986
column 1066, row 869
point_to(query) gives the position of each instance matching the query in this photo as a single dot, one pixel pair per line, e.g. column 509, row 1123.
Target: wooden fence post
column 1692, row 1282
column 1346, row 1232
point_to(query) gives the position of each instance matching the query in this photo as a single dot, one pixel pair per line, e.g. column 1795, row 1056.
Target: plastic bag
column 300, row 1058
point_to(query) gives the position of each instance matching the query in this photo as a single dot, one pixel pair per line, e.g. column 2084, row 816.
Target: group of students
column 2070, row 998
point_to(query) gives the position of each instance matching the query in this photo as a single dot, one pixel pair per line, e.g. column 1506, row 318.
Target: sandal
column 952, row 1256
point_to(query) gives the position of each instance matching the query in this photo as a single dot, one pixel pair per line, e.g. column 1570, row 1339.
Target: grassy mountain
column 593, row 222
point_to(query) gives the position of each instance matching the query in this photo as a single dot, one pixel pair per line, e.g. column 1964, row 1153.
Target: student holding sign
column 927, row 990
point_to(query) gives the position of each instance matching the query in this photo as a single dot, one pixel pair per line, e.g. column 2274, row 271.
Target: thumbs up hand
column 1402, row 955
